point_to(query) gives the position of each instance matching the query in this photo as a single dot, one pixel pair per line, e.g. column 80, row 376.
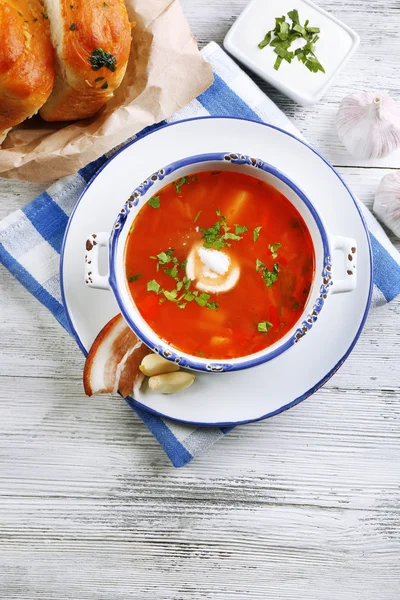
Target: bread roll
column 26, row 61
column 92, row 40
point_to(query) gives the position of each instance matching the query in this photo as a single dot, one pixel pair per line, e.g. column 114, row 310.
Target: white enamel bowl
column 327, row 279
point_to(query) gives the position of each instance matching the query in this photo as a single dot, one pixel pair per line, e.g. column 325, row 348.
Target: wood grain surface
column 305, row 506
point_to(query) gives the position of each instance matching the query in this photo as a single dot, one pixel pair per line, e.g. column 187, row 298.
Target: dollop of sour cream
column 213, row 271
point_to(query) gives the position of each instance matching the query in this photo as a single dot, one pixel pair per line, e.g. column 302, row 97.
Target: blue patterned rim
column 132, row 403
column 216, row 366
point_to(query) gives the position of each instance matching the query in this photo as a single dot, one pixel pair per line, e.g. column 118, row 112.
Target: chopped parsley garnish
column 101, row 58
column 134, row 278
column 269, row 276
column 172, row 272
column 171, row 296
column 164, row 257
column 197, row 216
column 154, row 202
column 284, row 34
column 274, row 249
column 256, row 233
column 264, row 326
column 240, row 229
column 73, row 27
column 105, row 5
column 182, row 283
column 217, row 235
column 186, row 179
column 153, row 286
column 179, row 184
column 212, row 305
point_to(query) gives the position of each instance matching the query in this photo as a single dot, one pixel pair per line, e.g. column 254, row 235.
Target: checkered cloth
column 31, row 238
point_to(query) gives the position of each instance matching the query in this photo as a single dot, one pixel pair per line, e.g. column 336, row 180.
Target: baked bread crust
column 26, row 61
column 92, row 39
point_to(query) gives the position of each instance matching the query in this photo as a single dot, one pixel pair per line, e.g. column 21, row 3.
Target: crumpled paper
column 165, row 72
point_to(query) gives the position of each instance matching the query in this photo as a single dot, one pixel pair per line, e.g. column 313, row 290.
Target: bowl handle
column 349, row 248
column 92, row 276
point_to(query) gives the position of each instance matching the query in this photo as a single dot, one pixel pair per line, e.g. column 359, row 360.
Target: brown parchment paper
column 165, row 72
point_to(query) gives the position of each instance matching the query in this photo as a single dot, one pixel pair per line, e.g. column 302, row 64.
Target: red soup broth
column 275, row 256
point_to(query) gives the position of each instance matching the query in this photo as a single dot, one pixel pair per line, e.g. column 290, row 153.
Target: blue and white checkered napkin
column 30, row 239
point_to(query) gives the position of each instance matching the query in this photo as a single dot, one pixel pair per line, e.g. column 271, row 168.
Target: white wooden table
column 303, row 506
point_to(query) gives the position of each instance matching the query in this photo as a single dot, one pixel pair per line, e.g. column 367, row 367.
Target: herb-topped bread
column 26, row 61
column 92, row 40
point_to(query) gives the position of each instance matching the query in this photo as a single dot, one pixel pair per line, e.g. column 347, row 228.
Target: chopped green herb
column 44, row 15
column 264, row 326
column 294, row 16
column 278, row 63
column 274, row 249
column 212, row 305
column 99, row 79
column 180, row 183
column 183, row 264
column 154, row 202
column 265, row 41
column 197, row 216
column 259, row 265
column 164, row 257
column 269, row 277
column 104, row 86
column 101, row 58
column 172, row 272
column 284, row 34
column 73, row 27
column 202, row 299
column 182, row 305
column 189, row 296
column 171, row 296
column 256, row 232
column 240, row 229
column 105, row 5
column 134, row 278
column 231, row 236
column 153, row 286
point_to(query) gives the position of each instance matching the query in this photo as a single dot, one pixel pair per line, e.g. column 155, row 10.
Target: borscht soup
column 219, row 264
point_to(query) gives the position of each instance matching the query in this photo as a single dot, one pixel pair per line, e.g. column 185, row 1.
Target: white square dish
column 336, row 45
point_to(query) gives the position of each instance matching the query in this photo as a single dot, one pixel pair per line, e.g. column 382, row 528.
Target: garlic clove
column 170, row 383
column 387, row 202
column 368, row 124
column 154, row 364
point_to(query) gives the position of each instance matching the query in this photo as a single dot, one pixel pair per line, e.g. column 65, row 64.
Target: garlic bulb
column 387, row 202
column 368, row 124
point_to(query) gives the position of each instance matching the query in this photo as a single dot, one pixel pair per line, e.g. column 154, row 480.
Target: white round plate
column 228, row 398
